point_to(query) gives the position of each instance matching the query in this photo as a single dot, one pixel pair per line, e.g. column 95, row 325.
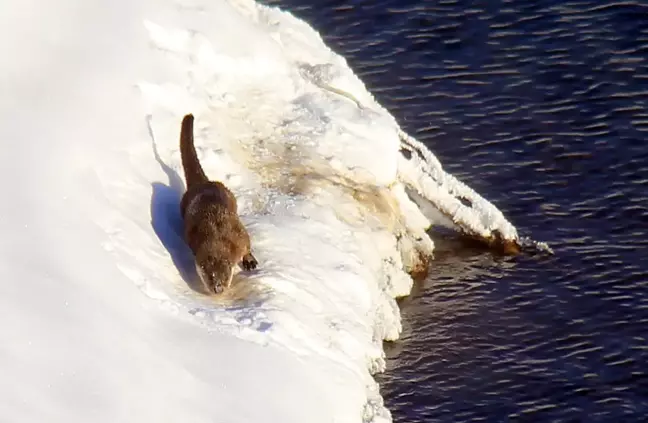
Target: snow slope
column 104, row 320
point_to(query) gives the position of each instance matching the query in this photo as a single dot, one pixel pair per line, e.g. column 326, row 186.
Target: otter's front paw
column 249, row 262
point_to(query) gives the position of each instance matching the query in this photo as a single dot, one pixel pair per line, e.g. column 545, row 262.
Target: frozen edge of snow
column 424, row 173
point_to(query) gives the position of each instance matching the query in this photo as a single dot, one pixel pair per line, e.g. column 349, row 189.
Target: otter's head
column 215, row 273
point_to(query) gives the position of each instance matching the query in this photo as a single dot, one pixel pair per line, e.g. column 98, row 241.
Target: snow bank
column 92, row 108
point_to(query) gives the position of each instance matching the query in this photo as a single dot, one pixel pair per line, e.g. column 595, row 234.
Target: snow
column 103, row 318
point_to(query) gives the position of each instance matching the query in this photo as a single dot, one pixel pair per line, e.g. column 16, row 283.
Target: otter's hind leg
column 249, row 262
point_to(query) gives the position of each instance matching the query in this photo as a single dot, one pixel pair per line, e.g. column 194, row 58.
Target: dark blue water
column 542, row 107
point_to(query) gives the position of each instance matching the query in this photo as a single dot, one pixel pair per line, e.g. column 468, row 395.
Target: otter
column 212, row 227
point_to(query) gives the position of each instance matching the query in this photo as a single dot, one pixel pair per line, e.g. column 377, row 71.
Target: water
column 542, row 107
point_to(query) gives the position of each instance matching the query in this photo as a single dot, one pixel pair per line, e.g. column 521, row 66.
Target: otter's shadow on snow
column 167, row 221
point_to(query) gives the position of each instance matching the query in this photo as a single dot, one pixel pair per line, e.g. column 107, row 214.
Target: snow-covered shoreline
column 98, row 94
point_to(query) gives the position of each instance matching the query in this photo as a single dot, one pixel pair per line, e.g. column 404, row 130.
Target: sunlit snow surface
column 317, row 168
column 319, row 179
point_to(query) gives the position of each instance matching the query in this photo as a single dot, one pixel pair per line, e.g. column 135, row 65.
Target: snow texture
column 104, row 318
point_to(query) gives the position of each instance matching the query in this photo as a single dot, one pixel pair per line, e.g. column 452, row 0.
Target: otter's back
column 208, row 193
column 211, row 220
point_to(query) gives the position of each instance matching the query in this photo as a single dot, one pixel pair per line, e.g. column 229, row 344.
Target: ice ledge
column 336, row 196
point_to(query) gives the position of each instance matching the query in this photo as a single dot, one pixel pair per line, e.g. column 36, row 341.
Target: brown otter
column 212, row 227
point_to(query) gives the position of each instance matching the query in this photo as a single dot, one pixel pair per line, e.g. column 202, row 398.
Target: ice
column 104, row 320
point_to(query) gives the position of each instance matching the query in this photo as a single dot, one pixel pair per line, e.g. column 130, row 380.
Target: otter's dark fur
column 212, row 227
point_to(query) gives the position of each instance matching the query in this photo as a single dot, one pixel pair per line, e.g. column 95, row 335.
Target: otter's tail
column 193, row 171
